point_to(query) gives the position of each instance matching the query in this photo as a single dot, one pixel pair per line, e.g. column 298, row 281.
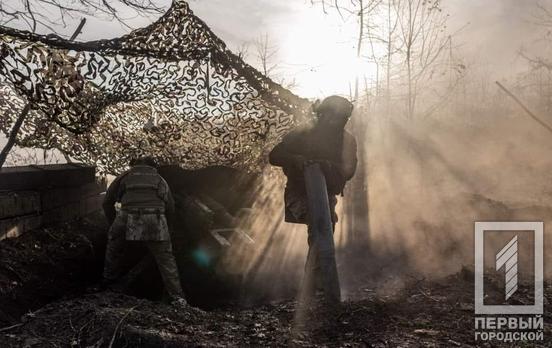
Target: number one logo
column 508, row 258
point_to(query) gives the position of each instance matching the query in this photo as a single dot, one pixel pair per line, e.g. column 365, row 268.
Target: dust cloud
column 426, row 182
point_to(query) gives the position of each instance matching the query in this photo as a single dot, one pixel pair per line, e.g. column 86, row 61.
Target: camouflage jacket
column 337, row 155
column 145, row 198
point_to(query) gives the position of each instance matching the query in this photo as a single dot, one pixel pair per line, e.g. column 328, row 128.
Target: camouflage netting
column 171, row 90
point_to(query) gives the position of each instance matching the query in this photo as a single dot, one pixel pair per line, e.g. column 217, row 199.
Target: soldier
column 330, row 145
column 144, row 199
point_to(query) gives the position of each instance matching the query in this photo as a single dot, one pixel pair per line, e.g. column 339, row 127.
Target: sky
column 313, row 49
column 317, row 51
column 494, row 32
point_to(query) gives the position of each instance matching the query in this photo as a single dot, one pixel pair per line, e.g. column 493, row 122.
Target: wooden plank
column 58, row 197
column 72, row 211
column 20, row 178
column 68, row 174
column 13, row 204
column 16, row 226
column 43, row 176
column 12, row 228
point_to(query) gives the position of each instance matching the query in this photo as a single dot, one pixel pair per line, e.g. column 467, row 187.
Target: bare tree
column 542, row 15
column 411, row 33
column 391, row 27
column 542, row 18
column 538, row 78
column 422, row 39
column 371, row 29
column 51, row 13
column 363, row 10
column 243, row 50
column 266, row 53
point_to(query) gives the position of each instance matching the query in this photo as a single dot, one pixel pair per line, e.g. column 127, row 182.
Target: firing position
column 145, row 199
column 329, row 145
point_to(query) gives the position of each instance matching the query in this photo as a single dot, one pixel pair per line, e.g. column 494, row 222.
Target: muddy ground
column 47, row 299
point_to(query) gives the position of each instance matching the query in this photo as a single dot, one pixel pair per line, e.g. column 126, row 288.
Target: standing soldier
column 144, row 198
column 328, row 144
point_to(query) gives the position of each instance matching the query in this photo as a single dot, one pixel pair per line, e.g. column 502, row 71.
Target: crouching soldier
column 144, row 199
column 330, row 146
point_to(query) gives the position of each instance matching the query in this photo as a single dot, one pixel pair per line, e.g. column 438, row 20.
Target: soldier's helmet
column 147, row 161
column 335, row 106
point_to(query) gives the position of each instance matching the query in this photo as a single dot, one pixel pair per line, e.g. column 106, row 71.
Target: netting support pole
column 13, row 134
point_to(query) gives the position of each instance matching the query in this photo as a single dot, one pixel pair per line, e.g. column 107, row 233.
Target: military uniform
column 145, row 199
column 336, row 154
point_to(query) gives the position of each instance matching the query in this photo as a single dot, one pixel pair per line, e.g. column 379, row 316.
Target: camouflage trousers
column 115, row 267
column 296, row 206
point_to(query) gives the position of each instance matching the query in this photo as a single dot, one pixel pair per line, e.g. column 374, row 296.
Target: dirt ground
column 423, row 314
column 47, row 264
column 47, row 300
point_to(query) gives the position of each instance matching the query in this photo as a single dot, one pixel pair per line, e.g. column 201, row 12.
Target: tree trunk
column 388, row 67
column 409, row 62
